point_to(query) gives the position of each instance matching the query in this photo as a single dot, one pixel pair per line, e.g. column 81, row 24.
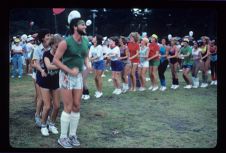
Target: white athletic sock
column 127, row 86
column 123, row 86
column 74, row 123
column 64, row 123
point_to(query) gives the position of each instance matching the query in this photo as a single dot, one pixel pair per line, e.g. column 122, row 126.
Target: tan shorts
column 70, row 82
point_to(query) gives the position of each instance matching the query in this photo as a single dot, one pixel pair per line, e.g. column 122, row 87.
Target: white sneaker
column 53, row 129
column 99, row 94
column 195, row 86
column 83, row 96
column 147, row 79
column 86, row 97
column 202, row 85
column 109, row 80
column 103, row 75
column 215, row 83
column 126, row 88
column 150, row 88
column 205, row 85
column 155, row 88
column 142, row 89
column 188, row 87
column 115, row 91
column 95, row 93
column 163, row 88
column 173, row 86
column 212, row 83
column 45, row 131
column 176, row 86
column 119, row 91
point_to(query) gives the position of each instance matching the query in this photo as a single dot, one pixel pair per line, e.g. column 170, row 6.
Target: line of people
column 126, row 57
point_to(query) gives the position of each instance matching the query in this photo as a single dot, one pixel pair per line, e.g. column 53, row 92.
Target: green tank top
column 76, row 52
column 187, row 60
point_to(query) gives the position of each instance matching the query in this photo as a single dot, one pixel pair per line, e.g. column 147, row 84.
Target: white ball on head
column 191, row 33
column 73, row 15
column 88, row 22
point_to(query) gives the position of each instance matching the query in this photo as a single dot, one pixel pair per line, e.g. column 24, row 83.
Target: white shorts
column 70, row 82
column 144, row 64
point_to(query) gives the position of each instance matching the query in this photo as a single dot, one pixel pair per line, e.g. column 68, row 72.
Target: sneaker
column 195, row 86
column 205, row 85
column 12, row 76
column 53, row 129
column 188, row 87
column 83, row 96
column 19, row 77
column 212, row 83
column 147, row 79
column 99, row 94
column 176, row 86
column 74, row 141
column 45, row 131
column 163, row 88
column 202, row 85
column 215, row 82
column 125, row 89
column 38, row 121
column 103, row 75
column 150, row 88
column 173, row 86
column 160, row 88
column 115, row 91
column 142, row 89
column 155, row 88
column 86, row 97
column 64, row 142
column 119, row 91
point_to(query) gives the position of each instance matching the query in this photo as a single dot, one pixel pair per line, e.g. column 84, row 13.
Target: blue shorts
column 117, row 65
column 99, row 65
column 187, row 66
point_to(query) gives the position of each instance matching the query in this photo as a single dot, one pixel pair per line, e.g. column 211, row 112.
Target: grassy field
column 171, row 119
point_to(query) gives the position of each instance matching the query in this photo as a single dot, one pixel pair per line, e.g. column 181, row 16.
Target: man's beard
column 81, row 32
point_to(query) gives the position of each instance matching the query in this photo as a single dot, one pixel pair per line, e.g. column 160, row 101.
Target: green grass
column 170, row 119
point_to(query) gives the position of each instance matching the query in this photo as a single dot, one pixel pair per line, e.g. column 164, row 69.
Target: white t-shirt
column 30, row 48
column 97, row 52
column 106, row 49
column 115, row 52
column 196, row 53
column 38, row 54
column 17, row 48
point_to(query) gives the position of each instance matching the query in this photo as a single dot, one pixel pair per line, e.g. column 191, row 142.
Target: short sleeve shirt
column 133, row 48
column 153, row 48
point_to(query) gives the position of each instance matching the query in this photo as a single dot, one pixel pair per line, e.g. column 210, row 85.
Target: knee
column 56, row 107
column 76, row 108
column 47, row 107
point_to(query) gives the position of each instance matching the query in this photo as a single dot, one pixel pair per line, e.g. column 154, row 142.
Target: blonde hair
column 55, row 39
column 135, row 36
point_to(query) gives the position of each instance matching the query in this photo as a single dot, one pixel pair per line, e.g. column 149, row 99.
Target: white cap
column 24, row 37
column 30, row 38
column 73, row 15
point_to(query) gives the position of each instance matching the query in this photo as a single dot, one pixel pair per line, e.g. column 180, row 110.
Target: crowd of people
column 60, row 67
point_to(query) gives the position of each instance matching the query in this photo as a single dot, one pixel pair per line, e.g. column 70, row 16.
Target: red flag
column 58, row 10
